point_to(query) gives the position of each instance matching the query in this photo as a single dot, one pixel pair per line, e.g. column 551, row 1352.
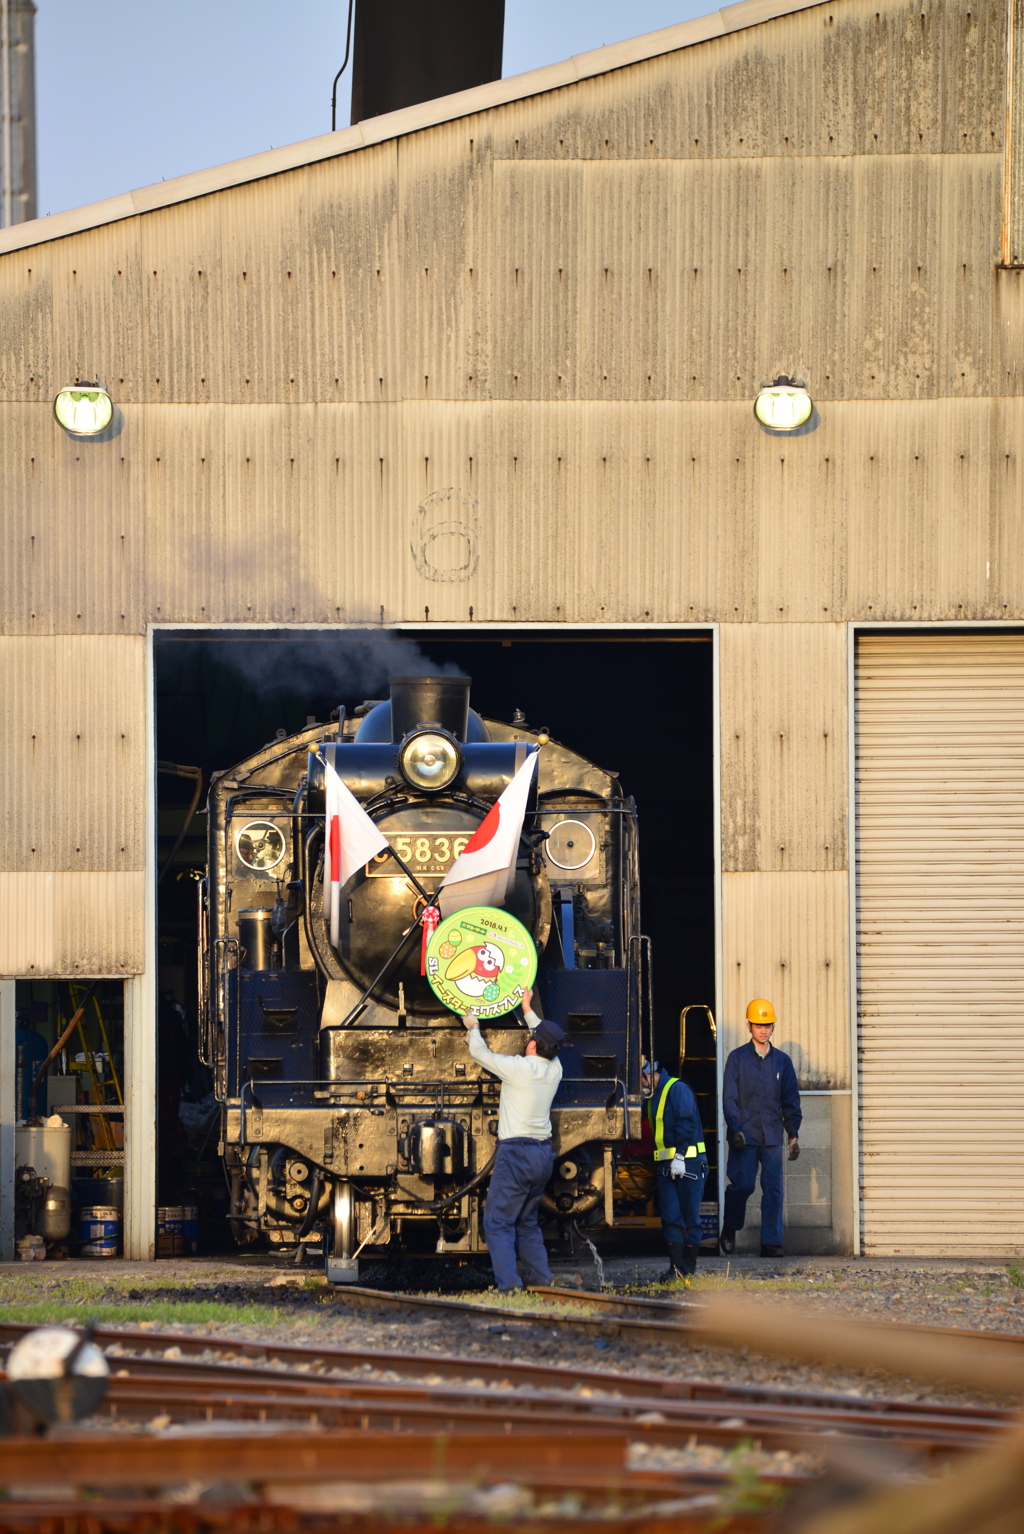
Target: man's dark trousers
column 742, row 1174
column 522, row 1168
column 679, row 1205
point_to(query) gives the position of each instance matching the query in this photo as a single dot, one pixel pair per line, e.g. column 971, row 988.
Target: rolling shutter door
column 940, row 868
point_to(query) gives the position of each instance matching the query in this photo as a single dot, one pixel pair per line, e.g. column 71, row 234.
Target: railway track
column 388, row 1434
column 185, row 1379
column 629, row 1317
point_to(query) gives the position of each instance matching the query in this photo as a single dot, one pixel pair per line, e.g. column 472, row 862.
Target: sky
column 124, row 100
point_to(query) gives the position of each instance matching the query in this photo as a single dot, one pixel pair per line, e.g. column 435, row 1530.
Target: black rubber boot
column 690, row 1259
column 727, row 1240
column 676, row 1263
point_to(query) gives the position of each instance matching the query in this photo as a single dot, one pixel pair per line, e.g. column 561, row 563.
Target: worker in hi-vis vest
column 680, row 1164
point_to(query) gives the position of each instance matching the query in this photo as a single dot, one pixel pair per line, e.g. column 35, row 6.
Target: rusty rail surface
column 294, row 1428
column 170, row 1361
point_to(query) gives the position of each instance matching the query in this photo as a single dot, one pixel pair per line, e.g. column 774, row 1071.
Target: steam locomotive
column 351, row 1108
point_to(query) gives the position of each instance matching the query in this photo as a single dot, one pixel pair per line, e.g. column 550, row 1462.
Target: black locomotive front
column 350, row 1102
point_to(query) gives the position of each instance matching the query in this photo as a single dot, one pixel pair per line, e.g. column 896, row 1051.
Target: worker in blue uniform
column 680, row 1164
column 761, row 1106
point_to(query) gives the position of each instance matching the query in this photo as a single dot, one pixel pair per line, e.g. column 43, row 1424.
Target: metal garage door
column 940, row 862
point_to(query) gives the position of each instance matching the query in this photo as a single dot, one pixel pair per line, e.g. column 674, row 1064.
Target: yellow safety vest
column 663, row 1152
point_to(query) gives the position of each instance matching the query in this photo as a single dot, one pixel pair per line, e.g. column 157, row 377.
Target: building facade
column 491, row 361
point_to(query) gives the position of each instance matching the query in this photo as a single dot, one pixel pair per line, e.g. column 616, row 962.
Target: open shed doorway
column 635, row 703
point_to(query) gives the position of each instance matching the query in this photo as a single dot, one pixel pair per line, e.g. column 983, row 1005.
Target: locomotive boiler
column 351, row 1108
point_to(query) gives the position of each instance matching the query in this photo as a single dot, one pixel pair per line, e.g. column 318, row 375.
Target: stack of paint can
column 190, row 1227
column 177, row 1230
column 170, row 1231
column 99, row 1230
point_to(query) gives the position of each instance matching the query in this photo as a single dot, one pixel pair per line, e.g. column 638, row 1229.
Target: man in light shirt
column 524, row 1159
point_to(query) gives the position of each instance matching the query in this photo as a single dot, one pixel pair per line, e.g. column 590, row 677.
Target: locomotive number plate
column 424, row 853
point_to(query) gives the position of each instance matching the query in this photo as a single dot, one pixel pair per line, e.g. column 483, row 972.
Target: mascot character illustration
column 472, row 970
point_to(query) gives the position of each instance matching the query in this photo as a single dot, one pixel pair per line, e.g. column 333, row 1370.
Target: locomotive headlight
column 429, row 759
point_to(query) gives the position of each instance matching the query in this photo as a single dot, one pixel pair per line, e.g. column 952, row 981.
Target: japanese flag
column 350, row 840
column 483, row 872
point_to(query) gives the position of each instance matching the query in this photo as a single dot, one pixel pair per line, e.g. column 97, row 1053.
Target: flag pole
column 375, row 982
column 410, row 875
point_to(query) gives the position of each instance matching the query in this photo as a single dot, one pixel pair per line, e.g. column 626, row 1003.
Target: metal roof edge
column 391, row 125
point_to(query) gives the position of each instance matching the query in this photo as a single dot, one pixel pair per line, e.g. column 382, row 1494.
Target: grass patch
column 734, row 1283
column 47, row 1312
column 525, row 1300
column 747, row 1285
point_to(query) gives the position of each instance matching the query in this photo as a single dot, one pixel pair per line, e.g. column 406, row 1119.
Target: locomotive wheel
column 340, row 1265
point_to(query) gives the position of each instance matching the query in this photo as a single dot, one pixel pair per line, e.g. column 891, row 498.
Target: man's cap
column 647, row 1068
column 549, row 1034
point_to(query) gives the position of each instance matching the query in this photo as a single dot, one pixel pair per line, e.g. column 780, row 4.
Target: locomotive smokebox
column 442, row 700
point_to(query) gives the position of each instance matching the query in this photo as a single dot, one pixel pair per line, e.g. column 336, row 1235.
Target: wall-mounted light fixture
column 84, row 409
column 783, row 405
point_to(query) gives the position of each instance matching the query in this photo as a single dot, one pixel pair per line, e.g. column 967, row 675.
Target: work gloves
column 738, row 1140
column 678, row 1168
column 794, row 1148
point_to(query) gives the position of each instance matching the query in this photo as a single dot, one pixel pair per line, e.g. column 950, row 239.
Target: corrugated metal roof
column 437, row 274
column 786, row 937
column 859, row 77
column 392, row 125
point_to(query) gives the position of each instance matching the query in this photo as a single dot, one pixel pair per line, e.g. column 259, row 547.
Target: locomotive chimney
column 442, row 700
column 408, row 51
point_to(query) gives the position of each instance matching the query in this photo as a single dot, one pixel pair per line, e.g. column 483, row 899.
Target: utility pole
column 17, row 112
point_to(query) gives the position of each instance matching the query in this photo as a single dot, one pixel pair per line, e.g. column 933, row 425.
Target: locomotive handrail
column 641, row 955
column 205, row 1036
column 573, row 793
column 647, row 950
column 228, row 945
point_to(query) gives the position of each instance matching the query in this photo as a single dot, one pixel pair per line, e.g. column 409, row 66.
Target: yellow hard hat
column 761, row 1011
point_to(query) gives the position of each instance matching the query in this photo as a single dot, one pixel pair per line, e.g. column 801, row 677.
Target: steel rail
column 652, row 1306
column 543, row 1460
column 402, row 1410
column 106, row 1515
column 632, row 1318
column 692, row 1402
column 304, row 1367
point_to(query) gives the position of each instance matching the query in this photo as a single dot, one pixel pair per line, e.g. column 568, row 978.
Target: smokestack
column 17, row 112
column 415, row 50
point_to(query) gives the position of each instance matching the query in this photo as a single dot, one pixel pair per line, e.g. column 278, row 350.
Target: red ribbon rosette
column 429, row 920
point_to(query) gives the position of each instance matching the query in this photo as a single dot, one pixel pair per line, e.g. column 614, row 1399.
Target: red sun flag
column 483, row 872
column 352, row 840
column 486, row 830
